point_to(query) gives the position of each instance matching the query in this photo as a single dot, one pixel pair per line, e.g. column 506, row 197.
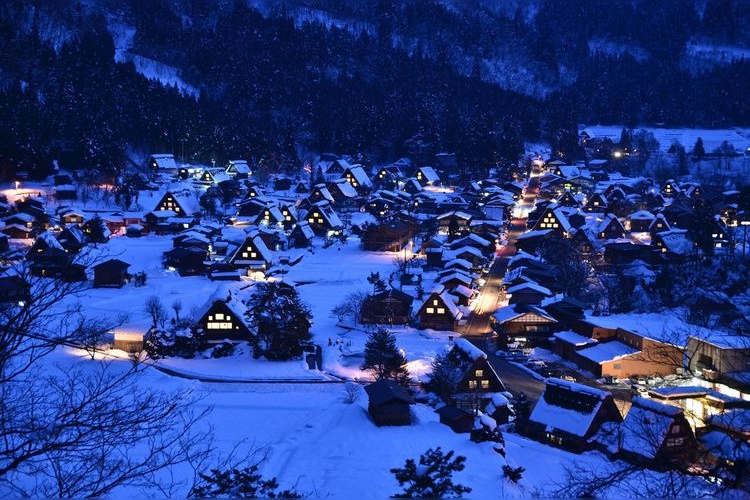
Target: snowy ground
column 315, row 442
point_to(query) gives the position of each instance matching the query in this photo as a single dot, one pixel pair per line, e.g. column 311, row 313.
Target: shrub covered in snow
column 432, row 477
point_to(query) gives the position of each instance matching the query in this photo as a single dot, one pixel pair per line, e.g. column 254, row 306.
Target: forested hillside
column 277, row 82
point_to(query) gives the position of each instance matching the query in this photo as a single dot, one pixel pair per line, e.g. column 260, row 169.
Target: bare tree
column 625, row 480
column 177, row 307
column 155, row 308
column 92, row 335
column 75, row 431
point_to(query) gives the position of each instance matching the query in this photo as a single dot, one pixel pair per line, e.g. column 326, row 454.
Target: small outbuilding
column 112, row 272
column 389, row 403
column 461, row 421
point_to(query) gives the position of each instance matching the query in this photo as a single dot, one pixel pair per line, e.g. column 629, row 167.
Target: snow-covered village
column 521, row 310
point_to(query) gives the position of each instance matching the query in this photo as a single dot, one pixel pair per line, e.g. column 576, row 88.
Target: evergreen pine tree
column 433, row 478
column 699, row 151
column 281, row 319
column 383, row 359
column 94, row 230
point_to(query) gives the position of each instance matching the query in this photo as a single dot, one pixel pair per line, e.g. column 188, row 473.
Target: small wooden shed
column 389, row 403
column 112, row 272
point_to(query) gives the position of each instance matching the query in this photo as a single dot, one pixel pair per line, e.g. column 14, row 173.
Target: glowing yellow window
column 479, row 373
column 430, row 310
column 472, row 384
column 485, row 384
column 440, row 310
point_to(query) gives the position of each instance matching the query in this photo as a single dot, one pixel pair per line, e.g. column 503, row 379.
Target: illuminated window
column 435, row 302
column 244, row 255
column 472, row 384
column 430, row 310
column 479, row 373
column 253, row 255
column 596, row 203
column 485, row 384
column 224, row 325
column 555, row 225
column 440, row 310
column 320, row 221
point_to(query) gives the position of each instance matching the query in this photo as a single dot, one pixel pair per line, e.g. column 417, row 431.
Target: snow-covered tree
column 281, row 321
column 239, row 483
column 383, row 359
column 432, row 477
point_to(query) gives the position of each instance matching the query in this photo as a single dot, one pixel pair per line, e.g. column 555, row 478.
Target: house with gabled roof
column 439, row 311
column 426, row 176
column 182, row 203
column 72, row 238
column 323, row 220
column 320, row 193
column 522, row 321
column 238, row 169
column 252, row 254
column 528, row 293
column 554, row 218
column 411, row 186
column 345, row 197
column 456, row 221
column 391, row 307
column 597, row 202
column 211, row 176
column 610, row 228
column 302, row 235
column 356, row 176
column 653, row 434
column 388, row 403
column 673, row 245
column 253, row 207
column 479, row 381
column 388, row 236
column 659, row 224
column 567, row 199
column 670, row 189
column 270, row 217
column 640, row 221
column 567, row 415
column 162, row 163
column 223, row 317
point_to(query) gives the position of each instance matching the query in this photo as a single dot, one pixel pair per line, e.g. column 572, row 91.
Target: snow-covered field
column 323, row 447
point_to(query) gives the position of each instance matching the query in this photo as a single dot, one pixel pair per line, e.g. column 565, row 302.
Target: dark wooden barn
column 389, row 403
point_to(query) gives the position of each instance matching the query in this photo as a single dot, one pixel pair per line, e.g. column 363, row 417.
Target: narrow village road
column 477, row 328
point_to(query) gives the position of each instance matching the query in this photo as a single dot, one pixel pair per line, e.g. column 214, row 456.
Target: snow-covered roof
column 360, row 175
column 556, row 411
column 343, row 186
column 469, row 349
column 530, row 286
column 641, row 215
column 646, row 426
column 462, row 290
column 164, row 161
column 451, row 305
column 240, row 166
column 574, row 339
column 607, row 351
column 725, row 446
column 429, row 174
